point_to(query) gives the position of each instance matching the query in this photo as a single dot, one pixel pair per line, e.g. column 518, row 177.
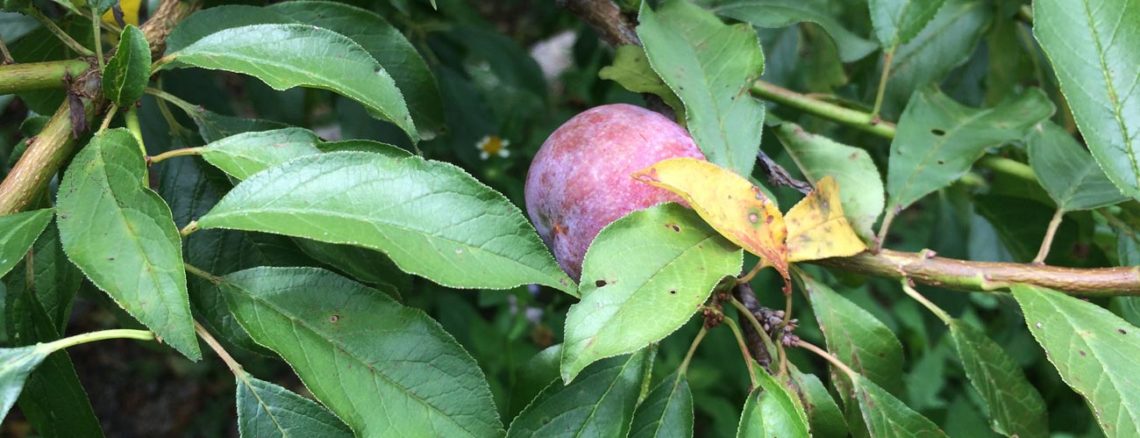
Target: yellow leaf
column 733, row 206
column 130, row 12
column 817, row 228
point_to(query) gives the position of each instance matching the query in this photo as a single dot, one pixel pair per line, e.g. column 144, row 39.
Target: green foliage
column 268, row 410
column 630, row 301
column 708, row 65
column 128, row 72
column 121, row 235
column 1093, row 55
column 332, row 169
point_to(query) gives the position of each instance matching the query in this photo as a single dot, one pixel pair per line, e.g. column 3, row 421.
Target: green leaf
column 53, row 399
column 945, row 43
column 206, row 22
column 431, row 218
column 362, row 264
column 631, row 70
column 860, row 185
column 245, row 154
column 710, row 66
column 643, row 277
column 771, row 410
column 824, row 415
column 856, row 337
column 666, row 412
column 897, row 21
column 886, row 416
column 15, row 366
column 17, row 234
column 292, row 55
column 1094, row 47
column 213, row 126
column 1015, row 407
column 385, row 43
column 600, row 402
column 1067, row 171
column 122, row 236
column 266, row 410
column 127, row 73
column 53, row 286
column 939, row 139
column 783, row 13
column 381, row 367
column 1094, row 351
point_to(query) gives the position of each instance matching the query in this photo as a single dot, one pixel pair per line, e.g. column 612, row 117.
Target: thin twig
column 827, row 356
column 684, row 368
column 743, row 348
column 232, row 364
column 888, row 58
column 5, row 55
column 937, row 311
column 182, row 152
column 1050, row 232
column 67, row 40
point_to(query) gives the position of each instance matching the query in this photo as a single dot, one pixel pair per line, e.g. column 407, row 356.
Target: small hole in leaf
column 937, row 132
column 673, row 291
column 941, row 162
column 334, row 318
column 600, row 283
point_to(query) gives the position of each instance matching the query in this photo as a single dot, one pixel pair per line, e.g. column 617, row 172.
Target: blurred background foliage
column 517, row 69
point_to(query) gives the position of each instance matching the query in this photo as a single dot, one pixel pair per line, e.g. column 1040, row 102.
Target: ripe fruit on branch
column 580, row 180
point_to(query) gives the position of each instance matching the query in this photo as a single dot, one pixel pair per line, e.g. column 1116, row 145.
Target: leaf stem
column 888, row 58
column 60, row 34
column 846, row 116
column 95, row 30
column 183, row 105
column 684, row 368
column 71, row 341
column 202, row 273
column 189, row 229
column 751, row 273
column 933, row 308
column 183, row 152
column 851, row 374
column 756, row 325
column 107, row 118
column 743, row 348
column 1050, row 232
column 232, row 364
column 5, row 55
column 885, row 227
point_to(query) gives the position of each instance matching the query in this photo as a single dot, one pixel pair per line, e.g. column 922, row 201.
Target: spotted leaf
column 817, row 227
column 733, row 206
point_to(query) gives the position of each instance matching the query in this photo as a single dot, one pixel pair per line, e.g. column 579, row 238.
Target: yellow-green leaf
column 817, row 227
column 733, row 206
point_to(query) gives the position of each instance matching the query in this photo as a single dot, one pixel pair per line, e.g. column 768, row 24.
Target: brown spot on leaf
column 600, row 283
column 334, row 318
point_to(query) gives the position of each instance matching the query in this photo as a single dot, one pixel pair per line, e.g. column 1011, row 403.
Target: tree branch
column 47, row 151
column 923, row 267
column 39, row 75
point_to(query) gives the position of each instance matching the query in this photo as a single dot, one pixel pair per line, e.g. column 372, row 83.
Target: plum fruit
column 580, row 179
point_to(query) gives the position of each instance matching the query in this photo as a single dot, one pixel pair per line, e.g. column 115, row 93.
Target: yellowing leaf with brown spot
column 817, row 228
column 733, row 206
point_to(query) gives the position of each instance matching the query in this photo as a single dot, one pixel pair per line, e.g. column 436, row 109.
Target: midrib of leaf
column 295, row 323
column 126, row 67
column 1072, row 190
column 299, row 214
column 261, row 402
column 668, row 402
column 1121, row 405
column 1114, row 99
column 610, row 388
column 105, row 181
column 936, row 147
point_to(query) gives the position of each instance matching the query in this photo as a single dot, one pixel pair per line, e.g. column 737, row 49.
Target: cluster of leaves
column 278, row 155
